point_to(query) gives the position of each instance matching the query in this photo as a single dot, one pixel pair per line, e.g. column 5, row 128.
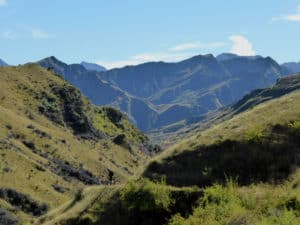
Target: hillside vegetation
column 54, row 142
column 66, row 162
column 242, row 171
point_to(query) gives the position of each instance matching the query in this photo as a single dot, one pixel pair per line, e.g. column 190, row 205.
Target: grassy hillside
column 54, row 142
column 245, row 170
column 248, row 167
column 70, row 162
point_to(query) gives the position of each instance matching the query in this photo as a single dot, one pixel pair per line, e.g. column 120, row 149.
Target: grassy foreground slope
column 247, row 165
column 54, row 142
column 243, row 171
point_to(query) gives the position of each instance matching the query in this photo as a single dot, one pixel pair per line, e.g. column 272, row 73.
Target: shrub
column 254, row 135
column 291, row 203
column 219, row 205
column 7, row 219
column 154, row 149
column 119, row 139
column 114, row 115
column 23, row 201
column 177, row 220
column 284, row 218
column 220, row 195
column 8, row 126
column 29, row 144
column 144, row 195
column 295, row 125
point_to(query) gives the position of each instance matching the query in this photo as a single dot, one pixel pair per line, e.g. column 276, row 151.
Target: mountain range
column 66, row 161
column 253, row 120
column 294, row 67
column 159, row 94
column 283, row 86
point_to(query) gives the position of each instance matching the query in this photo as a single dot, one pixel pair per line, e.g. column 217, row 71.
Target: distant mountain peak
column 294, row 67
column 2, row 63
column 51, row 60
column 202, row 56
column 92, row 66
column 199, row 58
column 226, row 56
column 150, row 92
column 229, row 56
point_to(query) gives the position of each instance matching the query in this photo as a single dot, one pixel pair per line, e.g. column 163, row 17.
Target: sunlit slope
column 53, row 141
column 244, row 170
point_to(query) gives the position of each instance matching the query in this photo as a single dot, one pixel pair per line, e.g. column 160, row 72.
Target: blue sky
column 115, row 33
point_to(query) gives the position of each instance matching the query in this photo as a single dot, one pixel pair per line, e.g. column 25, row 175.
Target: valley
column 243, row 170
column 67, row 161
column 160, row 95
column 149, row 112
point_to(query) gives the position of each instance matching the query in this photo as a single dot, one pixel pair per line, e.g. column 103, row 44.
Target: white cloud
column 3, row 2
column 241, row 46
column 24, row 33
column 292, row 17
column 160, row 56
column 117, row 64
column 173, row 54
column 197, row 45
column 142, row 58
column 39, row 34
column 9, row 35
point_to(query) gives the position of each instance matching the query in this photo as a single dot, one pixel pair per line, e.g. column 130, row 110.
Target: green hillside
column 67, row 162
column 242, row 171
column 54, row 142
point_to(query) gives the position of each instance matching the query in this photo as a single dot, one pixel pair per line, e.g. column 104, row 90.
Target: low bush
column 141, row 202
column 254, row 135
column 119, row 139
column 114, row 115
column 295, row 125
column 265, row 157
column 154, row 149
column 146, row 196
column 29, row 144
column 7, row 219
column 68, row 171
column 231, row 206
column 23, row 201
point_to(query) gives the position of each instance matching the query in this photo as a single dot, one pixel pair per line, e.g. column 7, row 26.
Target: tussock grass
column 76, row 206
column 260, row 205
column 31, row 143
